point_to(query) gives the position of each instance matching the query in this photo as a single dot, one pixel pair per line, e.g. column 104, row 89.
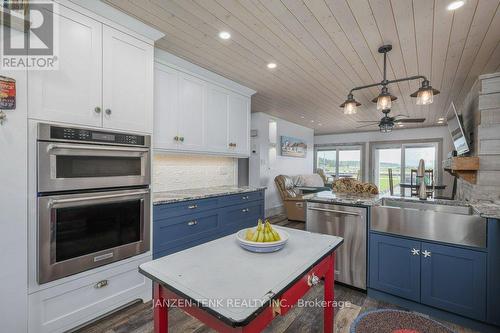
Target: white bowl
column 262, row 247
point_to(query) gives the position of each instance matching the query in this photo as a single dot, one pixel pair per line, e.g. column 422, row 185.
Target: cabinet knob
column 245, row 210
column 108, row 111
column 176, row 138
column 181, row 139
column 192, row 206
column 426, row 253
column 97, row 109
column 415, row 252
column 194, row 222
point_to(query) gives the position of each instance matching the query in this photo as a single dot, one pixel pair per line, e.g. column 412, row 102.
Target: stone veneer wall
column 481, row 115
column 177, row 172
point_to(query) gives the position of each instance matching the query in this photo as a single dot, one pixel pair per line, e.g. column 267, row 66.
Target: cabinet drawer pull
column 244, row 197
column 194, row 222
column 192, row 206
column 101, row 284
column 312, row 280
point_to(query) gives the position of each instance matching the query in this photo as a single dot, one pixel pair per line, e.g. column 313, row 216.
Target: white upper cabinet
column 217, row 118
column 239, row 123
column 104, row 79
column 191, row 115
column 127, row 81
column 197, row 115
column 73, row 92
column 166, row 106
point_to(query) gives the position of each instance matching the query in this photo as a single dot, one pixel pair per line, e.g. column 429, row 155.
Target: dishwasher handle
column 335, row 211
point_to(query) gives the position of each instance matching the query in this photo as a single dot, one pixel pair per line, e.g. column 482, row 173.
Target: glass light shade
column 385, row 128
column 350, row 108
column 384, row 102
column 425, row 97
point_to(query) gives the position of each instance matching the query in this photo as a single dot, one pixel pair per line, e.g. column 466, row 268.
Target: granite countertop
column 200, row 193
column 486, row 209
column 357, row 199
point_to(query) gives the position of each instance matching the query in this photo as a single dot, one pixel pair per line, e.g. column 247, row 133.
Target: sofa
column 288, row 188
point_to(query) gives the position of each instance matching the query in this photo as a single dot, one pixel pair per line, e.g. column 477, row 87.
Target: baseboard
column 275, row 211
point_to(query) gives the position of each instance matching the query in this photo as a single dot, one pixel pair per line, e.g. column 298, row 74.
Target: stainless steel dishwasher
column 349, row 223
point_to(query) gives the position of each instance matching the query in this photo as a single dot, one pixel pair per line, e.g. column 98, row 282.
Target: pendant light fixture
column 350, row 105
column 424, row 95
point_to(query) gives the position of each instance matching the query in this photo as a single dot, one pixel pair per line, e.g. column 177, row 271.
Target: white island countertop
column 234, row 284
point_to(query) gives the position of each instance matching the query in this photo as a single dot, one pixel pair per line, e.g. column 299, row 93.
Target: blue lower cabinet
column 181, row 225
column 493, row 296
column 453, row 279
column 395, row 266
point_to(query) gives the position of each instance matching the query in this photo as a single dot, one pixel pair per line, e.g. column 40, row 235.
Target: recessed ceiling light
column 302, row 117
column 441, row 119
column 455, row 5
column 401, row 125
column 312, row 121
column 271, row 65
column 224, row 35
column 320, row 124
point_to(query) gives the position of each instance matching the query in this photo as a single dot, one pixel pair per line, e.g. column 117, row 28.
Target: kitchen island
column 234, row 290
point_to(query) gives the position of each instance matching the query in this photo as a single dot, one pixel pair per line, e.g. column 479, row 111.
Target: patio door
column 401, row 158
column 387, row 159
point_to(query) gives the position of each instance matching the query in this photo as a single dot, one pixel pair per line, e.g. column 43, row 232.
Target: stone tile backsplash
column 176, row 172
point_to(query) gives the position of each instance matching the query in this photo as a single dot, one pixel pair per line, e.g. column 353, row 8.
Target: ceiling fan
column 386, row 124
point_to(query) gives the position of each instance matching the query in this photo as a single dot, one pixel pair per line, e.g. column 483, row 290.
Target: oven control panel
column 80, row 134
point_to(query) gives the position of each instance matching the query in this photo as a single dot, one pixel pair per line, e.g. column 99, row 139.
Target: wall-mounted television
column 456, row 129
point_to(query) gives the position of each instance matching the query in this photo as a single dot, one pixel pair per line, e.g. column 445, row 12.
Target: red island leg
column 329, row 297
column 160, row 310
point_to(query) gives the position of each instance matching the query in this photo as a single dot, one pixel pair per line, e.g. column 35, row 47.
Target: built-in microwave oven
column 78, row 158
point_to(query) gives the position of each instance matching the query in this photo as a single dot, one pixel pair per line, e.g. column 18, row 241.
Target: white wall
column 266, row 162
column 13, row 210
column 437, row 132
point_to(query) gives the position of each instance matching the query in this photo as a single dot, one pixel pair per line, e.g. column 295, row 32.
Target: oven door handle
column 53, row 202
column 54, row 146
column 334, row 211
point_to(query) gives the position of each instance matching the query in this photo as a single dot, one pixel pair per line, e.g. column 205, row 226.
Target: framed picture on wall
column 293, row 147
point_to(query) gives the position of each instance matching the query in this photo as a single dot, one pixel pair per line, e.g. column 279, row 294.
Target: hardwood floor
column 137, row 318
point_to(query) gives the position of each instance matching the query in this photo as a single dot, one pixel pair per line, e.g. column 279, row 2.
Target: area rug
column 395, row 321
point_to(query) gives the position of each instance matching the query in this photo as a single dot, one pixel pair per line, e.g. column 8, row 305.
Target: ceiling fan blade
column 401, row 115
column 368, row 121
column 411, row 120
column 366, row 125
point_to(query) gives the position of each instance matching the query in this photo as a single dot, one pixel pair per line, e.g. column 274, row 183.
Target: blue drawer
column 173, row 232
column 185, row 207
column 239, row 214
column 241, row 198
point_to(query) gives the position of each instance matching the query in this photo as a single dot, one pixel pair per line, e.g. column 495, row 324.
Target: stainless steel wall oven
column 93, row 199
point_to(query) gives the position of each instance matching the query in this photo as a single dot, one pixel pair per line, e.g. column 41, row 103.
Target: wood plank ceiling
column 323, row 48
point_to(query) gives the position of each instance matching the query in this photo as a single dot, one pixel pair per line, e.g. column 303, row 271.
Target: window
column 400, row 159
column 339, row 162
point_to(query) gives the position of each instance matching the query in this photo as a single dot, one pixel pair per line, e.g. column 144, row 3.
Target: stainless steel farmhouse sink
column 454, row 224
